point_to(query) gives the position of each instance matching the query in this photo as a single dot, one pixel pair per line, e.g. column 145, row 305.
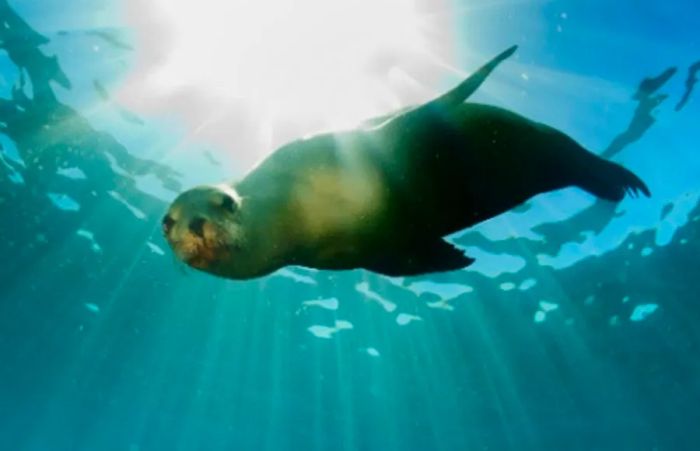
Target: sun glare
column 311, row 58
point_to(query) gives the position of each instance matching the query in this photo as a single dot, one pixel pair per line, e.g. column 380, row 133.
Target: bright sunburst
column 309, row 58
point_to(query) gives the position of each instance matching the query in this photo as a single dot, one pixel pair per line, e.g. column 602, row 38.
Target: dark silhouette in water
column 112, row 37
column 51, row 137
column 690, row 83
column 21, row 43
column 594, row 219
column 643, row 118
column 101, row 91
column 123, row 112
column 650, row 85
column 457, row 163
column 667, row 208
column 211, row 159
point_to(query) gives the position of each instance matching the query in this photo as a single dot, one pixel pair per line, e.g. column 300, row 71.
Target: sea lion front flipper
column 459, row 94
column 423, row 258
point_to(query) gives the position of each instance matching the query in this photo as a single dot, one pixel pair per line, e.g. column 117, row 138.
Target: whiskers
column 177, row 262
column 204, row 253
column 178, row 254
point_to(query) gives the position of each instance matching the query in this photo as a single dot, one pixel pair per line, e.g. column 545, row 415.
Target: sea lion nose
column 196, row 226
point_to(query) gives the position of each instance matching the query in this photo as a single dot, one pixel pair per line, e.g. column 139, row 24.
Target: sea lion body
column 383, row 197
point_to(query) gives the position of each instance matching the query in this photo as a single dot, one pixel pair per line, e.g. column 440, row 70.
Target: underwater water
column 576, row 328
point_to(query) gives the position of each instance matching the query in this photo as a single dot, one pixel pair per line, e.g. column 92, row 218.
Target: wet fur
column 383, row 197
column 432, row 174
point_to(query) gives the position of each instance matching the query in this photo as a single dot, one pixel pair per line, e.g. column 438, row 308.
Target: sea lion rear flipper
column 610, row 181
column 433, row 256
column 465, row 89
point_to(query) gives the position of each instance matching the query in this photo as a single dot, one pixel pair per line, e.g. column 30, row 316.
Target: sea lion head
column 208, row 227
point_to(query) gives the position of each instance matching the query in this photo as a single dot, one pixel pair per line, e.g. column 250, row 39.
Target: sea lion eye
column 228, row 204
column 168, row 223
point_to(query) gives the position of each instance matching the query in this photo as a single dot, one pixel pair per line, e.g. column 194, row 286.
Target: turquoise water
column 576, row 328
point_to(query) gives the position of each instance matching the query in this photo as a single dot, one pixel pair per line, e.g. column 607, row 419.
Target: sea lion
column 383, row 196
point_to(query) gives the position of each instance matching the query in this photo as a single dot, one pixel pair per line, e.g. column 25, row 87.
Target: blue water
column 576, row 329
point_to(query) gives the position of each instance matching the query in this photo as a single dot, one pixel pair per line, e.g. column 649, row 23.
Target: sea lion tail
column 458, row 95
column 612, row 181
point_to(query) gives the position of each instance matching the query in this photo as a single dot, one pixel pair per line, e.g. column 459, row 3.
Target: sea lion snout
column 196, row 241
